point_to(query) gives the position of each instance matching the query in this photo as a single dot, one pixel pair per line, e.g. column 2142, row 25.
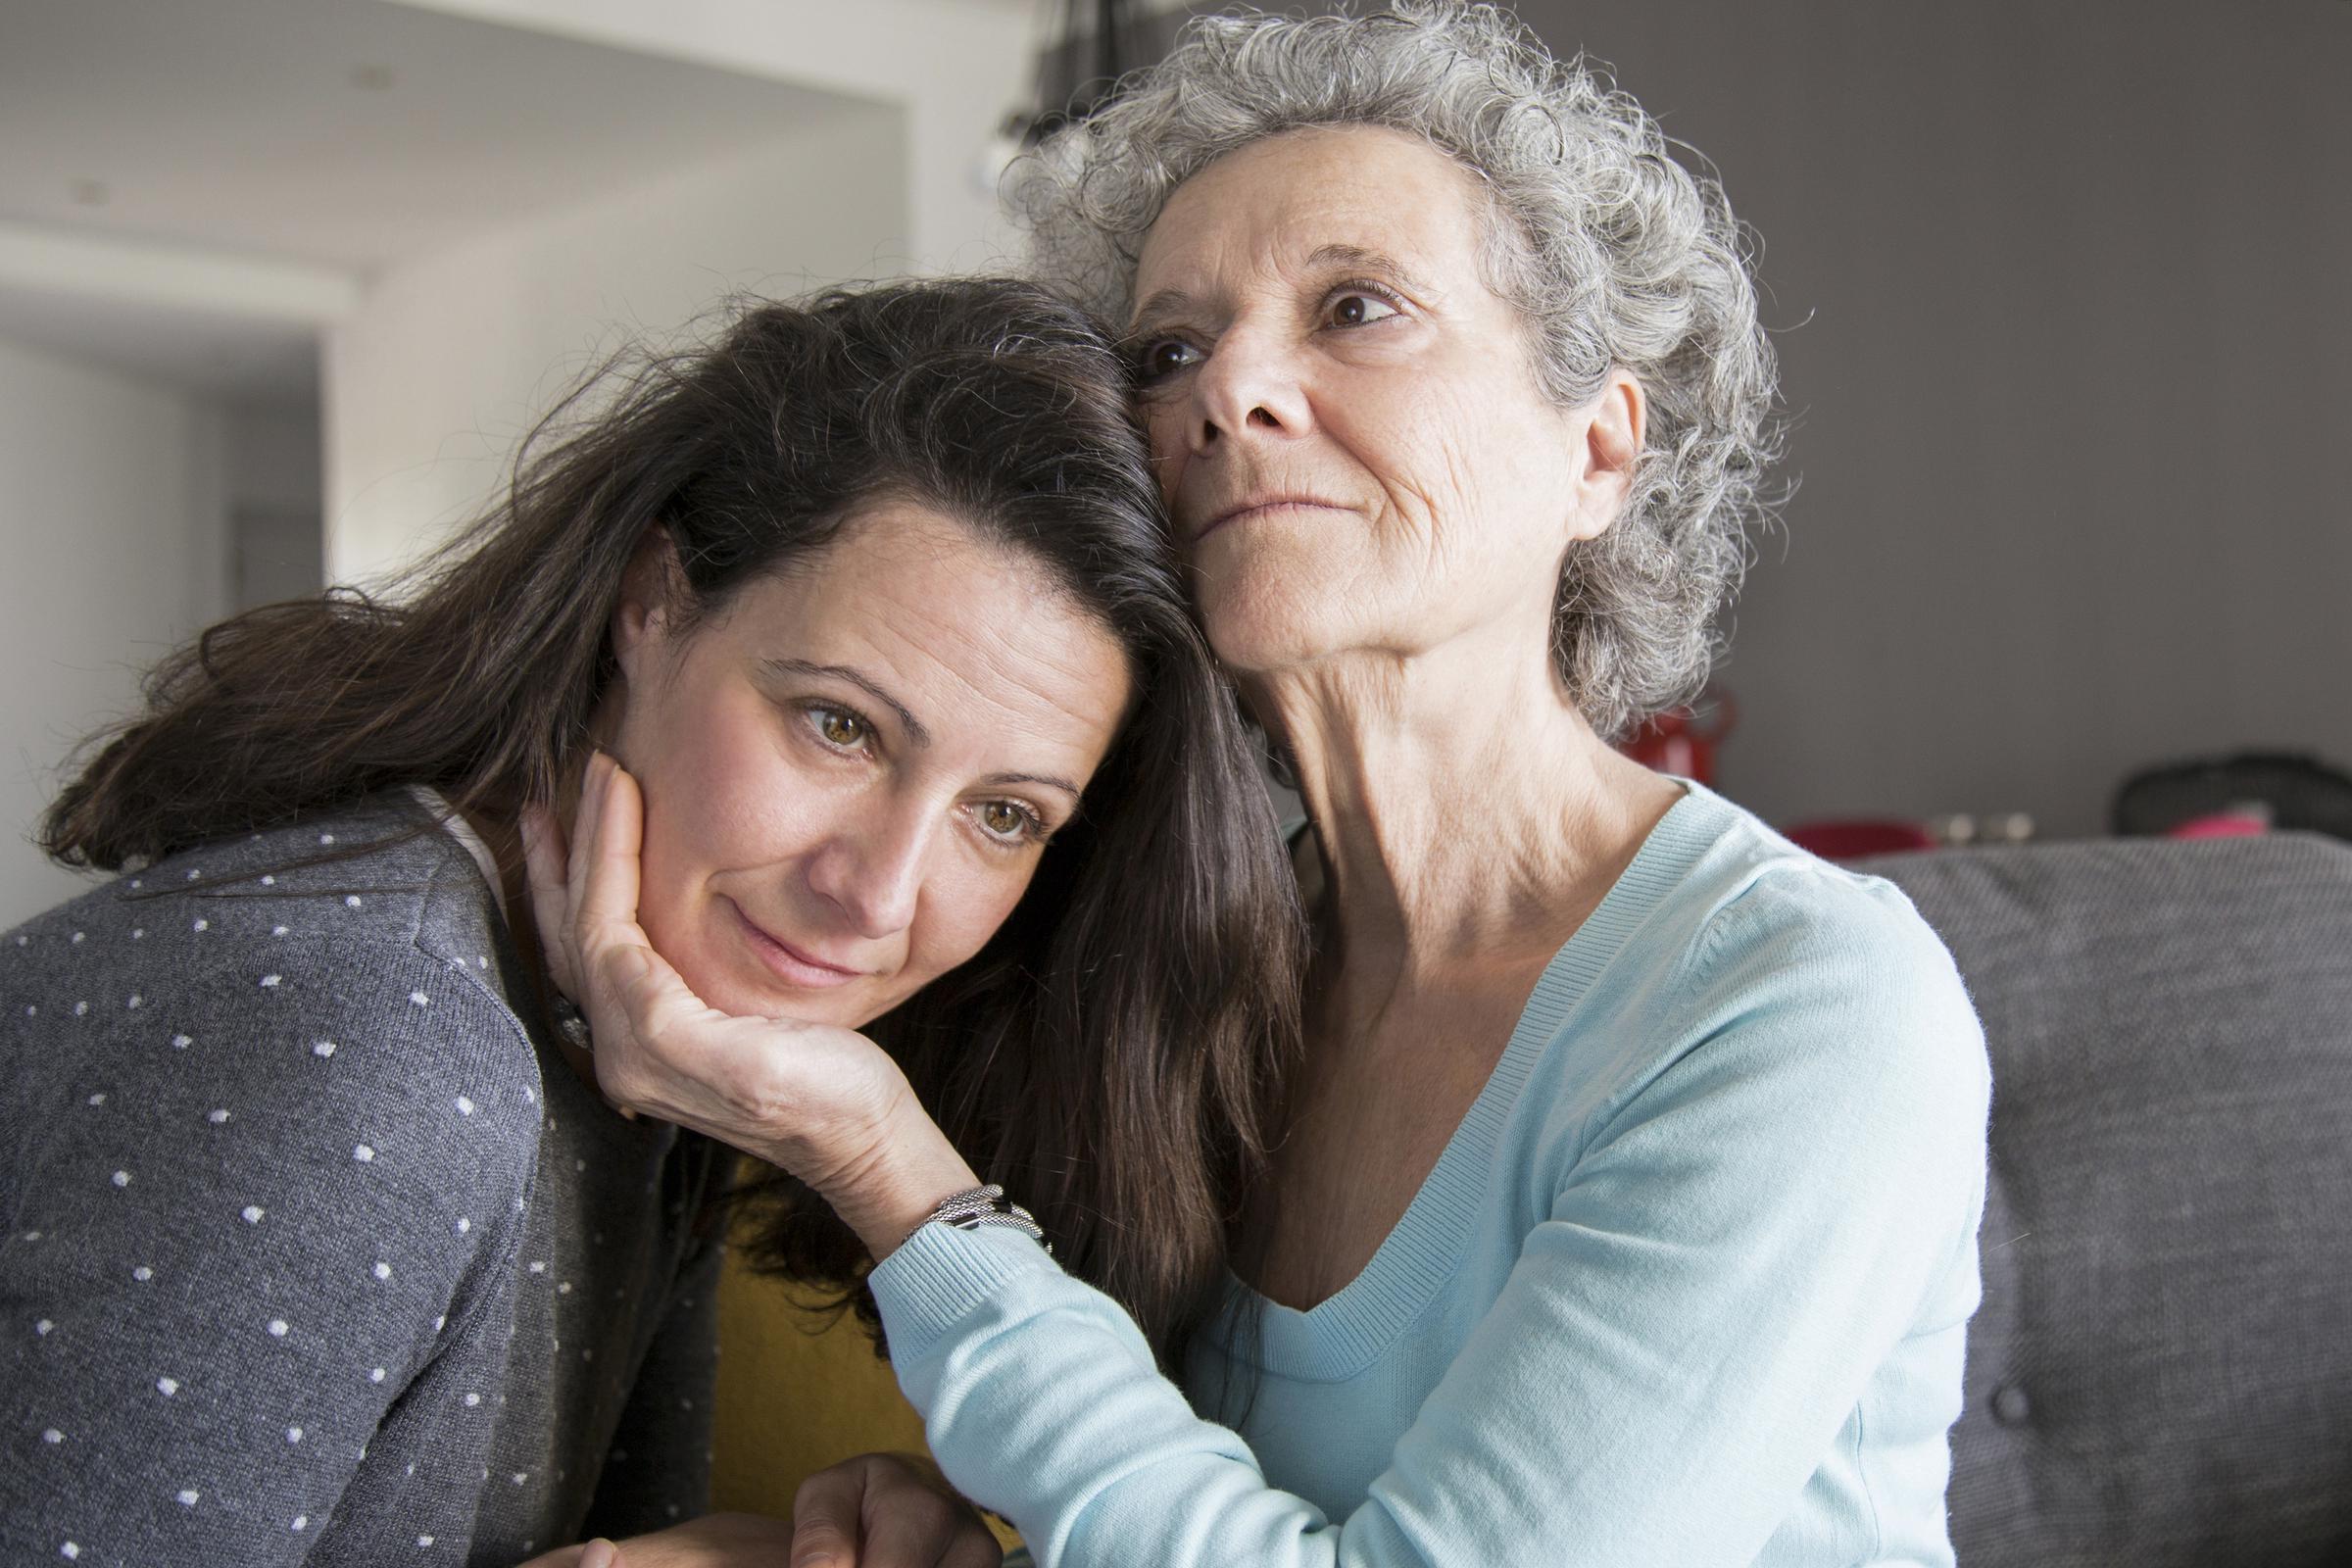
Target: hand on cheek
column 824, row 1102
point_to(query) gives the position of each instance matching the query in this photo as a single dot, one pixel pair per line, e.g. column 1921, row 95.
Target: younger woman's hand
column 887, row 1510
column 826, row 1103
column 714, row 1540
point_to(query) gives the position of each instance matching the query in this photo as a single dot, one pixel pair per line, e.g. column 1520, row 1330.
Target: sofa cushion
column 2161, row 1372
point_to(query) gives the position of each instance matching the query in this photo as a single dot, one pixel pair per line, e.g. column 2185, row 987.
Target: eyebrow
column 1364, row 261
column 1047, row 780
column 917, row 731
column 1167, row 302
column 1176, row 302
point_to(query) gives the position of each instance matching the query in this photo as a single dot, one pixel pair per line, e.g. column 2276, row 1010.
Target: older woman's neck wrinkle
column 1461, row 811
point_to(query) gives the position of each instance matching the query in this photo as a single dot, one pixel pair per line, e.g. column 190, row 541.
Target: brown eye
column 1359, row 309
column 1004, row 820
column 1164, row 357
column 846, row 730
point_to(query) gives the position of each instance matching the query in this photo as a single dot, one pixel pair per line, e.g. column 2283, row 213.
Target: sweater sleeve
column 264, row 1200
column 1735, row 1245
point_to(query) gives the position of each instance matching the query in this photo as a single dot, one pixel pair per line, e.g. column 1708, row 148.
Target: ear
column 1611, row 448
column 647, row 605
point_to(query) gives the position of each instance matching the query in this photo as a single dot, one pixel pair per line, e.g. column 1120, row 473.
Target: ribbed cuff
column 941, row 1273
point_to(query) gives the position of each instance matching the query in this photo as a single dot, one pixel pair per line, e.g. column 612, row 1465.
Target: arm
column 1735, row 1246
column 1731, row 1252
column 211, row 1339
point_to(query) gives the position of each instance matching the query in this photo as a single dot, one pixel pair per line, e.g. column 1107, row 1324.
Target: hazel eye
column 843, row 729
column 1006, row 819
column 1356, row 308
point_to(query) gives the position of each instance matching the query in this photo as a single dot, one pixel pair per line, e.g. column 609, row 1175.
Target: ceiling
column 340, row 135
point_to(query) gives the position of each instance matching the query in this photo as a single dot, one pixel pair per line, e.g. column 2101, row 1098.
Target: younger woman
column 321, row 1243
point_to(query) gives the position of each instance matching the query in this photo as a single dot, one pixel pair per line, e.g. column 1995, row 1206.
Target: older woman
column 1625, row 1208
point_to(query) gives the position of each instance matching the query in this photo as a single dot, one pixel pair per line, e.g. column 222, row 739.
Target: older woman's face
column 1346, row 418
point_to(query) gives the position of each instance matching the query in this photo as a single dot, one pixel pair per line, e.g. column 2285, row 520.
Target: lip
column 800, row 969
column 1258, row 505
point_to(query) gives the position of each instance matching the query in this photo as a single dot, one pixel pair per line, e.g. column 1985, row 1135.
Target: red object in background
column 1674, row 743
column 2222, row 825
column 1857, row 836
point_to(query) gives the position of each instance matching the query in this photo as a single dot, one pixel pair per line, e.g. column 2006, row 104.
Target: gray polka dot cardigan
column 316, row 1251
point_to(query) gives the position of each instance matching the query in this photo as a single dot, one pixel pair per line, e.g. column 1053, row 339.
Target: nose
column 1249, row 388
column 872, row 870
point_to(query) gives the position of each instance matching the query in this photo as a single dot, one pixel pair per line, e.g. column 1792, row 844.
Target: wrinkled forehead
column 971, row 640
column 1387, row 200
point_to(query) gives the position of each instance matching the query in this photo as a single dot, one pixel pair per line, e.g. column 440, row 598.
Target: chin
column 1266, row 608
column 1262, row 626
column 848, row 1007
column 735, row 983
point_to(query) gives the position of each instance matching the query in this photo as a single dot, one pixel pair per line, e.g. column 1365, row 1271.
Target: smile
column 801, row 970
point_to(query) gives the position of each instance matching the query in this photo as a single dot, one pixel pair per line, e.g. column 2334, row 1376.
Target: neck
column 1466, row 816
column 501, row 835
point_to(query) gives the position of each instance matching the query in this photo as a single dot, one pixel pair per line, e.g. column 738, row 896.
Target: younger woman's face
column 851, row 771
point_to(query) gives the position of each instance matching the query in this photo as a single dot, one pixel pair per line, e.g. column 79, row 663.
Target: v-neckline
column 1347, row 1329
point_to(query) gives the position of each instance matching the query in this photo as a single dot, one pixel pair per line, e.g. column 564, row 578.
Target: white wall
column 2060, row 292
column 447, row 361
column 271, row 490
column 951, row 68
column 109, row 504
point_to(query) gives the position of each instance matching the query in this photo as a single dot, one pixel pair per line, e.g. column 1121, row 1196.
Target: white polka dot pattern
column 354, row 1354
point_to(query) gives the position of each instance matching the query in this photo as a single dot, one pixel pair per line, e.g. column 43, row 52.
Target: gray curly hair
column 1612, row 252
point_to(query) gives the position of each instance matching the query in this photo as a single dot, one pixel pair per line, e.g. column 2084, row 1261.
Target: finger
column 545, row 853
column 638, row 985
column 582, row 847
column 824, row 1519
column 824, row 1543
column 975, row 1548
column 599, row 1553
column 615, row 956
column 916, row 1531
column 560, row 1557
column 578, row 847
column 821, row 1543
column 608, row 883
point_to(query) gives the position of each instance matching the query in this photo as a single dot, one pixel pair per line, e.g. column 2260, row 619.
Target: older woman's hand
column 826, row 1103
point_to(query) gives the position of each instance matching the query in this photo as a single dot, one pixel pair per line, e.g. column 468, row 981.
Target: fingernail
column 599, row 1553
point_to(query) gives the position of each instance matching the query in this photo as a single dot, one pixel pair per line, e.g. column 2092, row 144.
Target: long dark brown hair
column 1112, row 1052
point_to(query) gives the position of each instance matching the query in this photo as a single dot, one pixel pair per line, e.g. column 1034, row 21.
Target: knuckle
column 814, row 1491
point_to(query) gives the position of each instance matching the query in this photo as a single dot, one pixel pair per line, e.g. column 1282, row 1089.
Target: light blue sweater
column 1689, row 1286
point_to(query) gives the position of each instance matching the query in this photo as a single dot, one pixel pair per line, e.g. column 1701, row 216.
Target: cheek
column 1163, row 436
column 1429, row 452
column 719, row 797
column 961, row 909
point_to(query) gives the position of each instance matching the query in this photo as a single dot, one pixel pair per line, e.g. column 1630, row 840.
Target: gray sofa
column 2161, row 1373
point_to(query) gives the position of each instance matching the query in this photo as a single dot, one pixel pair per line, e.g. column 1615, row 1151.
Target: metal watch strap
column 981, row 1206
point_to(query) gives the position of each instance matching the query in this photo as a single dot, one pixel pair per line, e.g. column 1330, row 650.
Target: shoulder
column 1743, row 910
column 288, row 972
column 1766, row 960
column 1781, row 1035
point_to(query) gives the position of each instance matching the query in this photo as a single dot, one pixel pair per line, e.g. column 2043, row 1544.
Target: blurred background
column 2059, row 290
